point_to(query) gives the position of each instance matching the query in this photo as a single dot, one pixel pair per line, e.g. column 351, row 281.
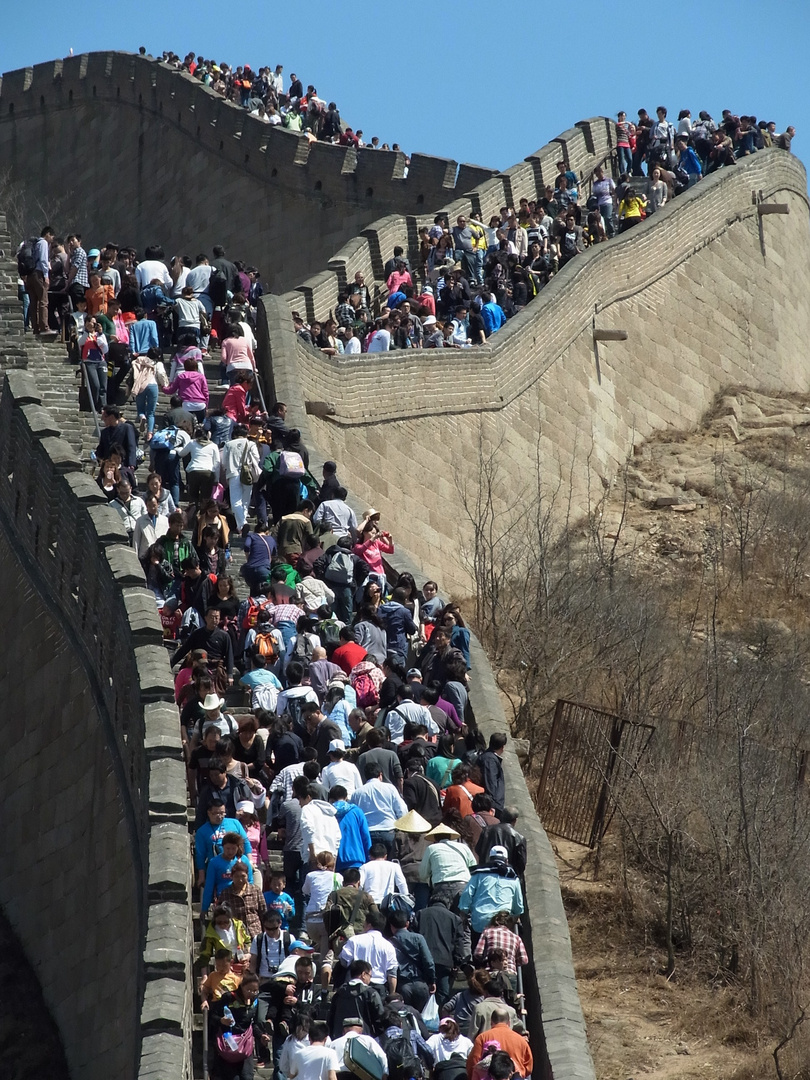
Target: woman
column 369, row 632
column 244, row 899
column 318, row 884
column 225, row 932
column 154, row 486
column 186, row 674
column 159, row 575
column 148, row 376
column 501, row 934
column 236, row 355
column 203, row 468
column 624, row 133
column 371, row 595
column 218, row 871
column 235, row 402
column 93, row 350
column 226, row 603
column 212, row 557
column 191, row 386
column 631, row 209
column 371, row 544
column 440, row 767
column 249, row 748
column 260, row 547
column 110, row 474
column 658, row 191
column 455, row 688
column 461, row 1005
column 209, row 514
column 186, row 350
column 240, row 462
column 449, row 1041
column 190, row 315
column 460, row 636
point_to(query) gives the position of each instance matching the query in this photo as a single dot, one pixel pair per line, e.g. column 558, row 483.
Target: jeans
column 96, row 375
column 625, row 159
column 606, row 210
column 240, row 500
column 342, row 606
column 420, row 890
column 443, row 990
column 146, row 403
column 383, row 836
column 26, row 303
column 479, row 266
column 255, row 576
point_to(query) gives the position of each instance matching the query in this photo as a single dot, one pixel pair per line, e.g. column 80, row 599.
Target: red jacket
column 235, row 403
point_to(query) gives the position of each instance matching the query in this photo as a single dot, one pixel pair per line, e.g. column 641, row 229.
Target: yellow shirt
column 631, row 208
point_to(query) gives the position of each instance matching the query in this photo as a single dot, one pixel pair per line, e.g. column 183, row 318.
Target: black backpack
column 218, row 287
column 454, row 1068
column 403, row 1063
column 26, row 257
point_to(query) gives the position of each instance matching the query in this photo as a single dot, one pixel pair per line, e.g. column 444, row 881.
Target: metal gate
column 589, row 756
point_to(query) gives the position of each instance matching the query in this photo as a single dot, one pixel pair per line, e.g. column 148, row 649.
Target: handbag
column 241, row 1048
column 245, row 471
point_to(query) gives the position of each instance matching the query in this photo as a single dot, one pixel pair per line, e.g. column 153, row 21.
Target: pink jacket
column 370, row 551
column 189, row 386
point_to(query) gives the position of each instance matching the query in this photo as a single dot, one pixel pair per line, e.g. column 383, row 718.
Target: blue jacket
column 355, row 839
column 689, row 162
column 491, row 889
column 218, row 878
column 208, row 840
column 143, row 336
column 398, row 624
column 493, row 317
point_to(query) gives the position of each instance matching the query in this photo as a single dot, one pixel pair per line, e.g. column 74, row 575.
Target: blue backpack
column 165, row 439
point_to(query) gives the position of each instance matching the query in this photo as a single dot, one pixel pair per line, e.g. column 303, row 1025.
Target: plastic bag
column 430, row 1014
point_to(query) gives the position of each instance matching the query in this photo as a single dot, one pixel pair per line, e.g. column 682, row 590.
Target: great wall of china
column 710, row 294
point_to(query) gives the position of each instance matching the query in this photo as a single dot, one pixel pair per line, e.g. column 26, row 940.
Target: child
column 222, row 978
column 278, row 900
column 246, row 816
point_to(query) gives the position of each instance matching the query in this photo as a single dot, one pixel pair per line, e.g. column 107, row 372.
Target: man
column 37, row 282
column 216, row 643
column 492, row 887
column 377, row 758
column 353, row 1028
column 130, row 508
column 688, row 160
column 117, row 432
column 491, row 765
column 516, row 1046
column 465, row 247
column 372, row 947
column 446, row 864
column 662, row 137
column 355, row 839
column 220, row 787
column 77, row 280
column 153, row 267
column 335, row 515
column 785, row 140
column 382, row 804
column 356, row 999
column 320, row 830
column 397, row 621
column 460, row 794
column 292, row 701
column 504, row 835
column 361, row 729
column 381, row 878
column 316, row 1061
column 416, row 974
column 340, row 771
column 295, row 533
column 348, row 653
column 447, row 940
column 208, row 837
column 407, row 711
column 322, row 732
column 289, row 832
column 149, row 528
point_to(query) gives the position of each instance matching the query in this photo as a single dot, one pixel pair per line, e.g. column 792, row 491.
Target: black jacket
column 123, row 436
column 491, row 766
column 507, row 837
column 354, row 998
column 443, row 931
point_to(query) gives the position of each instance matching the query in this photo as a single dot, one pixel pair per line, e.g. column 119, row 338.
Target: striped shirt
column 78, row 258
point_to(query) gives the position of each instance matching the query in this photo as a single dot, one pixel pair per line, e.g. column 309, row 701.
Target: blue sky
column 479, row 82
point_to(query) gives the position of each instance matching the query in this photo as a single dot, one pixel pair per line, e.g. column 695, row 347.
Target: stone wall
column 709, row 293
column 96, row 878
column 148, row 154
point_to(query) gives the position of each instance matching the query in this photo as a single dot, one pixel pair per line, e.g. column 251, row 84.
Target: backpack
column 329, row 633
column 264, row 696
column 340, row 570
column 397, row 902
column 452, row 1068
column 403, row 1064
column 304, row 648
column 218, row 287
column 254, row 607
column 290, row 464
column 366, row 690
column 266, row 645
column 26, row 257
column 165, row 439
column 293, row 708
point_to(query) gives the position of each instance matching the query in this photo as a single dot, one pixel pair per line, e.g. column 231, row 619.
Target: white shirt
column 408, row 711
column 204, row 456
column 153, row 268
column 306, row 693
column 344, row 773
column 381, row 877
column 373, row 1047
column 198, row 278
column 180, row 284
column 235, row 452
column 319, row 827
column 381, row 803
column 443, row 1049
column 313, row 1062
column 337, row 515
column 146, row 533
column 188, row 311
column 352, row 346
column 372, row 947
column 381, row 342
column 318, row 884
column 270, row 952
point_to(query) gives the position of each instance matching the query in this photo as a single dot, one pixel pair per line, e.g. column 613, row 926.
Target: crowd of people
column 262, row 93
column 469, row 277
column 384, row 934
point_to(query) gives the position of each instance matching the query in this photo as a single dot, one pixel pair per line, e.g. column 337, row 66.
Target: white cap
column 246, row 807
column 498, row 852
column 337, row 746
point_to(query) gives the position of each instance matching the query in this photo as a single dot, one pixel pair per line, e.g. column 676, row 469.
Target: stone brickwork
column 96, row 880
column 709, row 293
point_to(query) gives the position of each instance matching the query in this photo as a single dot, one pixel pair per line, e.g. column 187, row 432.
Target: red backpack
column 366, row 690
column 251, row 616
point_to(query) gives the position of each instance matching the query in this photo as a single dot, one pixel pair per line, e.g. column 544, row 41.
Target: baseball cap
column 337, row 746
column 245, row 807
column 498, row 852
column 298, row 944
